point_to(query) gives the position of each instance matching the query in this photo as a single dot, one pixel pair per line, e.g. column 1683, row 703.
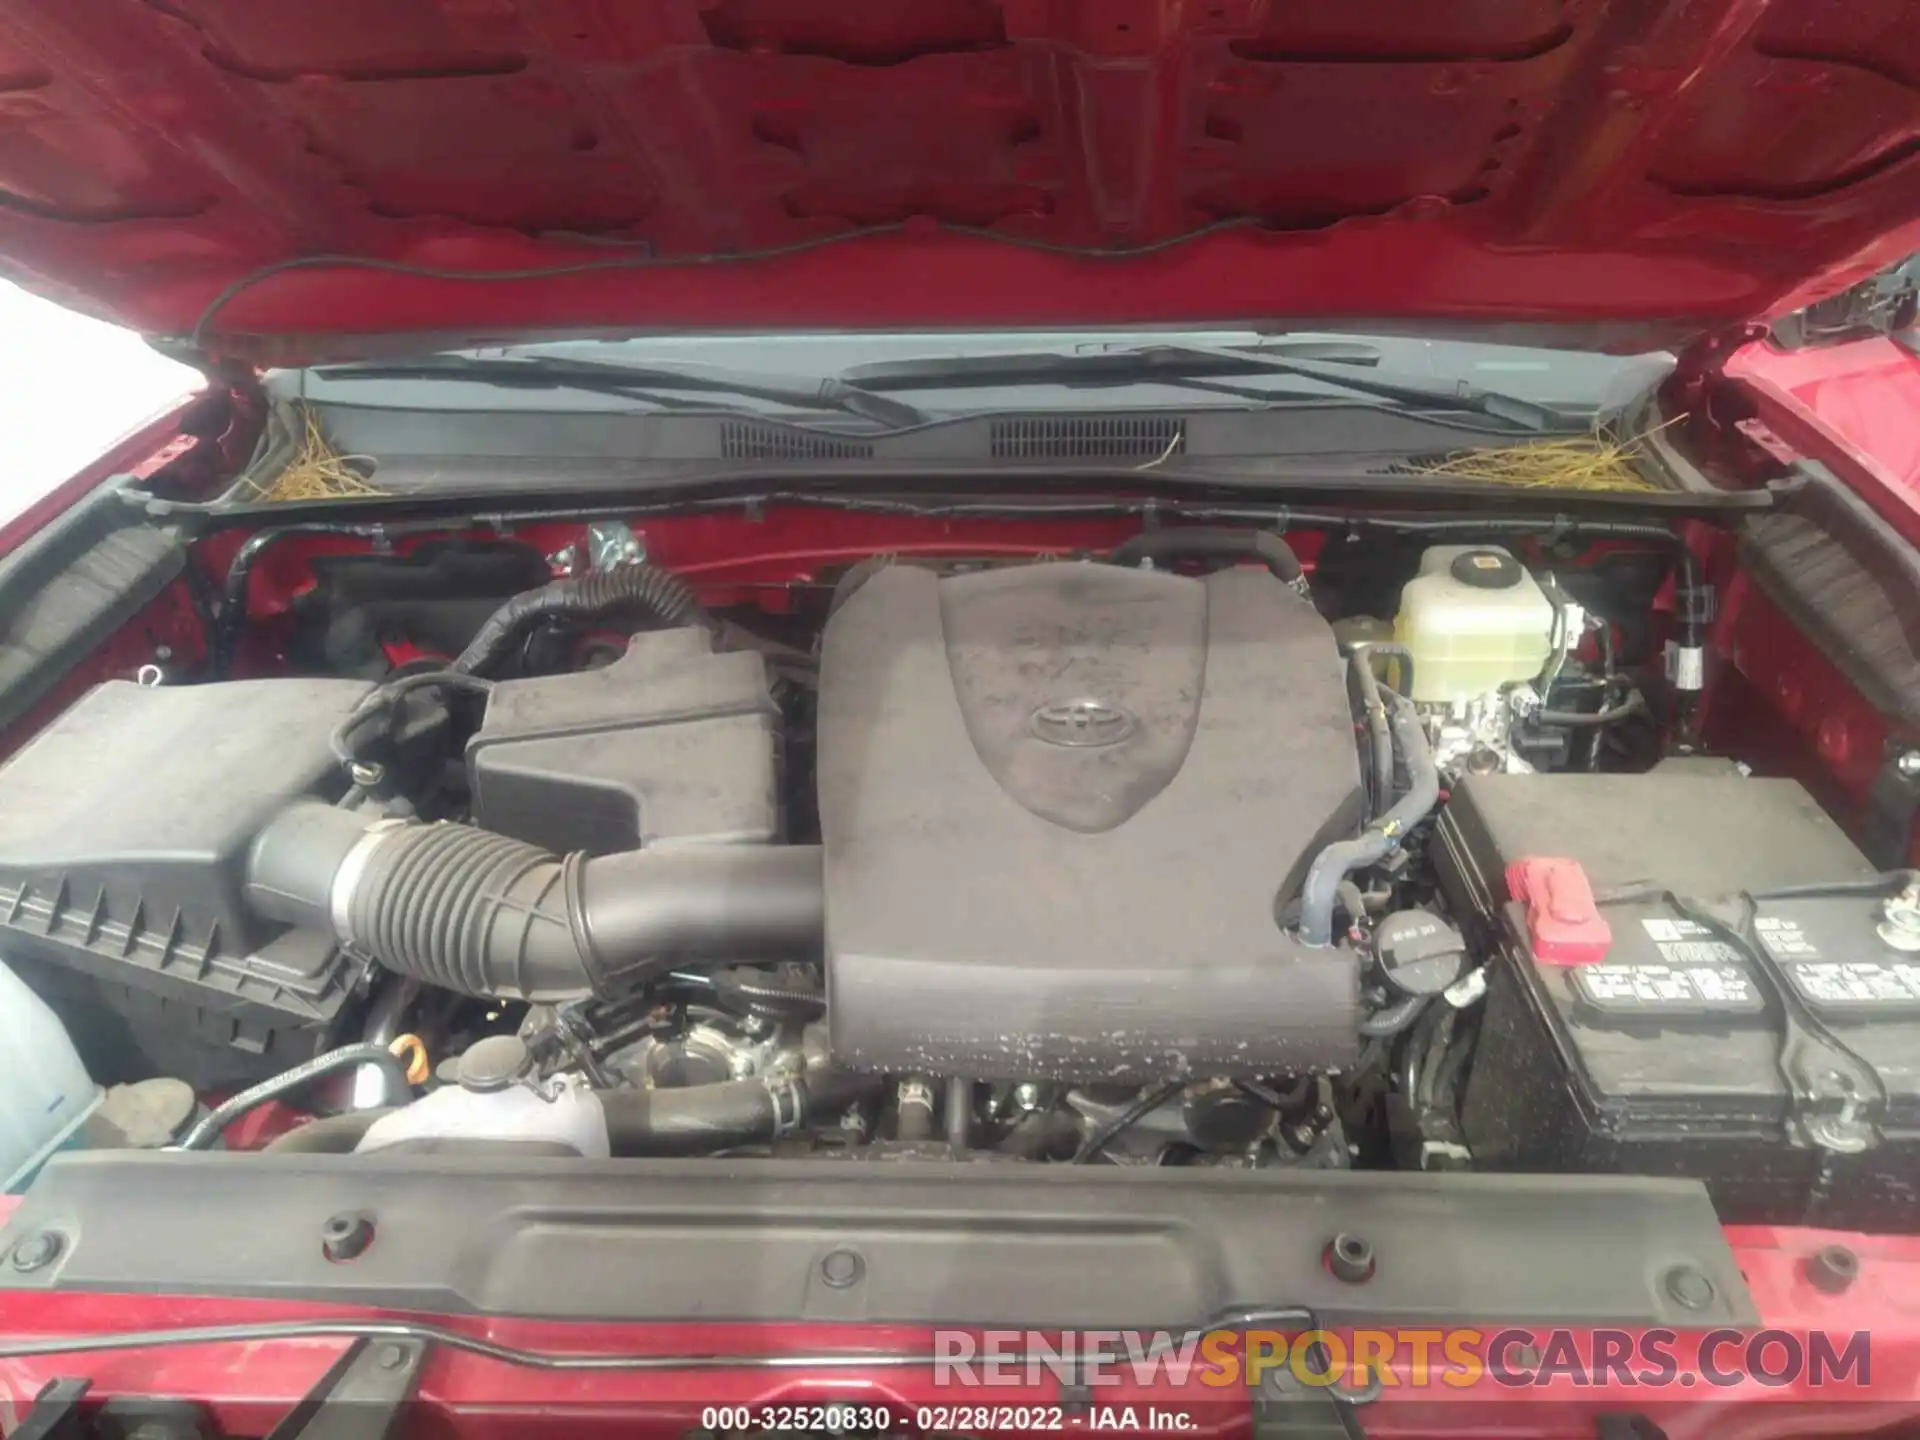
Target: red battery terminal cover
column 1564, row 925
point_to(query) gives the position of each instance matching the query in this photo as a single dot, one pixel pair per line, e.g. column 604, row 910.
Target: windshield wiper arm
column 598, row 377
column 1189, row 366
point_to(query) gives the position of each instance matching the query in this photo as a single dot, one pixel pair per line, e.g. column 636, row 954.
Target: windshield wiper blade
column 599, row 377
column 1192, row 367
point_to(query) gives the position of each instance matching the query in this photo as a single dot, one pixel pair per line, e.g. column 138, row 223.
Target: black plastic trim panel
column 1850, row 581
column 981, row 1244
column 71, row 586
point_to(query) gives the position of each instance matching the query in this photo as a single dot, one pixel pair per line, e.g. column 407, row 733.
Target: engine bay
column 1391, row 846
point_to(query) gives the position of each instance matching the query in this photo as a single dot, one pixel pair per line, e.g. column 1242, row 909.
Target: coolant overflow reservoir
column 1472, row 620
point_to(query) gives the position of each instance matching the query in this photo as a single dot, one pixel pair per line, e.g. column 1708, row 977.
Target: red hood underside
column 1618, row 170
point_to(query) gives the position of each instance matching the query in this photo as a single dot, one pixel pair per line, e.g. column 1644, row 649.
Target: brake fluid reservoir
column 45, row 1092
column 1472, row 620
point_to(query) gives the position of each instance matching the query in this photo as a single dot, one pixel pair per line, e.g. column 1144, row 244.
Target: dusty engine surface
column 1062, row 807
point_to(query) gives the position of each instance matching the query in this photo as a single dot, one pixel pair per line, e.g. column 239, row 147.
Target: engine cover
column 1062, row 805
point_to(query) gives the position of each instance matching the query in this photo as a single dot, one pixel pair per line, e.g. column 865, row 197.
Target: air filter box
column 124, row 829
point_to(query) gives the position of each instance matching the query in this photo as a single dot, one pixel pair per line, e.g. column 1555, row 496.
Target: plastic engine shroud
column 1063, row 806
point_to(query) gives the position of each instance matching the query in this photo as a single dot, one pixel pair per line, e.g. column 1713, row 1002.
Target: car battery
column 1750, row 1020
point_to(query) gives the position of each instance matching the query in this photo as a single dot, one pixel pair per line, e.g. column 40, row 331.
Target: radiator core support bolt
column 38, row 1251
column 1832, row 1269
column 1349, row 1258
column 346, row 1236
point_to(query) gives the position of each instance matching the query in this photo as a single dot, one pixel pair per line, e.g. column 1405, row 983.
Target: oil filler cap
column 1419, row 953
column 1486, row 569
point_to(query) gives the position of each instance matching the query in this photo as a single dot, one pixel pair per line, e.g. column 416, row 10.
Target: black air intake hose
column 1202, row 540
column 1340, row 859
column 658, row 595
column 468, row 910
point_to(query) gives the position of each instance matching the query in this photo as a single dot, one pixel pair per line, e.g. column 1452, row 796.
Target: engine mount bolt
column 1908, row 765
column 38, row 1251
column 1688, row 1288
column 346, row 1236
column 842, row 1269
column 1349, row 1257
column 1832, row 1269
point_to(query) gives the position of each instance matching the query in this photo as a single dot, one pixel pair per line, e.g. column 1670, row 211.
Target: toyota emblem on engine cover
column 1079, row 723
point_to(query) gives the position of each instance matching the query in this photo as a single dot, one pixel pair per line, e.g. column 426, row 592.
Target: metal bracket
column 363, row 1396
column 613, row 543
column 1893, row 802
column 1284, row 1409
column 56, row 1412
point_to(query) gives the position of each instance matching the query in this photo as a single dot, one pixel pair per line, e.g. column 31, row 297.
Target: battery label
column 1686, row 942
column 1698, row 952
column 1856, row 983
column 1684, row 988
column 1784, row 939
column 1660, row 928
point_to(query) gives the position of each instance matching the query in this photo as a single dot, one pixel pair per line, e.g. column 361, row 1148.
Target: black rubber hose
column 1320, row 893
column 700, row 1119
column 1098, row 1140
column 1396, row 1017
column 1191, row 540
column 655, row 594
column 467, row 910
column 1286, row 1100
column 1375, row 709
column 751, row 991
column 233, row 604
column 346, row 1057
column 1634, row 704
